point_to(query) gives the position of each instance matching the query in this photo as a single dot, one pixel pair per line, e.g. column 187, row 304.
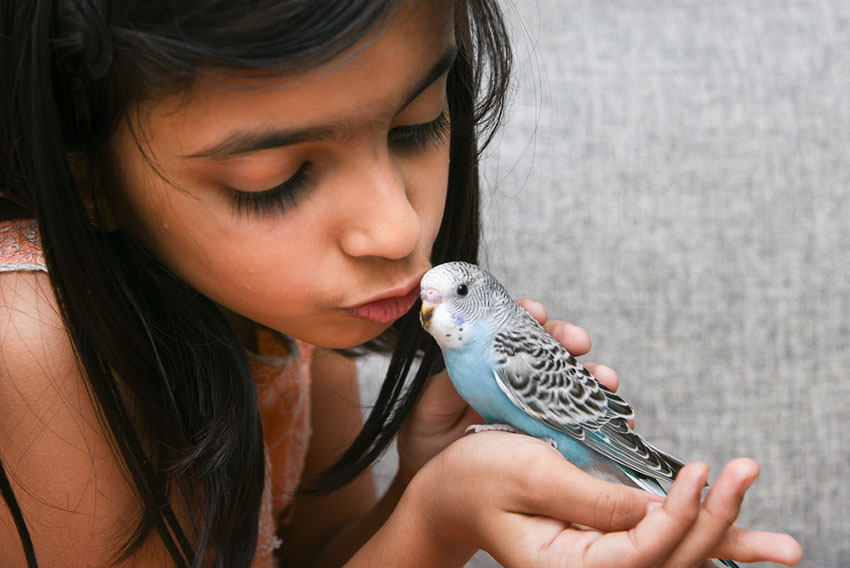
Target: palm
column 562, row 544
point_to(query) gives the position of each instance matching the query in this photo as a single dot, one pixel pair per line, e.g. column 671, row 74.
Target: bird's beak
column 426, row 313
column 430, row 299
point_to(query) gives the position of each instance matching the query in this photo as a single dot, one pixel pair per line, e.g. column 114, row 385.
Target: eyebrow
column 245, row 142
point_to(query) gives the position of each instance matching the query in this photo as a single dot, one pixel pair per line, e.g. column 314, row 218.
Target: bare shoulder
column 30, row 325
column 73, row 494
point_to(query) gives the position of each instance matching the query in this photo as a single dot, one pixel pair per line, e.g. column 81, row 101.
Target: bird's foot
column 551, row 441
column 475, row 428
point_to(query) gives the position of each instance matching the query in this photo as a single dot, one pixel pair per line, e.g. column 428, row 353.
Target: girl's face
column 309, row 203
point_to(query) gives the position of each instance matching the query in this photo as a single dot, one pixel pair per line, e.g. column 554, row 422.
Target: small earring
column 95, row 223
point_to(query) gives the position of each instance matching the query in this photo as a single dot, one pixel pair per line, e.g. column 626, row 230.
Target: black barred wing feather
column 544, row 380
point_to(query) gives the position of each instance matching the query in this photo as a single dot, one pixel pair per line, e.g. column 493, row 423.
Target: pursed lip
column 390, row 305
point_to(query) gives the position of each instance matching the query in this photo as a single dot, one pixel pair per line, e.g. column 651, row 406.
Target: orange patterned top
column 282, row 372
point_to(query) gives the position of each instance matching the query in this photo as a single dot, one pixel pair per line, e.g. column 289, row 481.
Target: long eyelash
column 418, row 137
column 275, row 200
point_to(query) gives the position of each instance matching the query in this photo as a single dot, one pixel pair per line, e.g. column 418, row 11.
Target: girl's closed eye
column 276, row 199
column 419, row 137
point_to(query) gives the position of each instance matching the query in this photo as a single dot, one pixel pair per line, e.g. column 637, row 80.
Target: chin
column 343, row 337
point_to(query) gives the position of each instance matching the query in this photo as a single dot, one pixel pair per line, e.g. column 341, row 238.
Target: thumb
column 563, row 491
column 439, row 399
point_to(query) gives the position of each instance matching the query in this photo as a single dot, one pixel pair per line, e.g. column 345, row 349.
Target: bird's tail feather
column 646, row 483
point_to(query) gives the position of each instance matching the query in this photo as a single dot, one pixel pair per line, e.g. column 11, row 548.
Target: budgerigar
column 514, row 373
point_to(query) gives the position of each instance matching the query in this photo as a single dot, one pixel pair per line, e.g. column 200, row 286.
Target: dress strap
column 20, row 246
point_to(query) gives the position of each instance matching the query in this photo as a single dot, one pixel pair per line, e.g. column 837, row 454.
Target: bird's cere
column 430, row 300
column 430, row 296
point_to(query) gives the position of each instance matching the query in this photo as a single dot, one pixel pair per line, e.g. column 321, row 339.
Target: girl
column 195, row 194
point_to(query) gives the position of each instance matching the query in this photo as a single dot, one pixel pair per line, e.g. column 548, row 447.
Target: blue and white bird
column 517, row 376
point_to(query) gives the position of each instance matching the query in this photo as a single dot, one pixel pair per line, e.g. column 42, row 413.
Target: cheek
column 167, row 223
column 148, row 203
column 448, row 329
column 427, row 189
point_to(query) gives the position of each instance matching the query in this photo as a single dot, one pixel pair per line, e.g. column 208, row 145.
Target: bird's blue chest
column 471, row 371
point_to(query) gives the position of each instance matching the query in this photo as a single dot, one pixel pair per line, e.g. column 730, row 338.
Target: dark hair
column 183, row 414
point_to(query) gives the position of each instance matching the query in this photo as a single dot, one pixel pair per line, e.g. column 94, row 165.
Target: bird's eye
column 462, row 290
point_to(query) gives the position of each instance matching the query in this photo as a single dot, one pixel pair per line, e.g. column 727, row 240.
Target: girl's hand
column 518, row 499
column 441, row 415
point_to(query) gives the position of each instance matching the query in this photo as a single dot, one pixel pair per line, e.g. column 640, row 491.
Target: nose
column 381, row 221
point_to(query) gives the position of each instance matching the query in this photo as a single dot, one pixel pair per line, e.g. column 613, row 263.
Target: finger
column 757, row 546
column 535, row 308
column 440, row 409
column 657, row 534
column 571, row 336
column 440, row 396
column 608, row 377
column 605, row 375
column 719, row 511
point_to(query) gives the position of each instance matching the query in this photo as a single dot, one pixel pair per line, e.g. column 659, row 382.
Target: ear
column 96, row 203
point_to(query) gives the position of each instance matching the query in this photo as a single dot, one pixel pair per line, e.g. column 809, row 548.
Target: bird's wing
column 541, row 378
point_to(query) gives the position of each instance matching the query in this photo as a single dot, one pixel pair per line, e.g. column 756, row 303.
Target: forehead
column 368, row 81
column 453, row 273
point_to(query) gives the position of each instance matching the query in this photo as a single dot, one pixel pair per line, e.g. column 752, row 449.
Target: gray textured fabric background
column 675, row 177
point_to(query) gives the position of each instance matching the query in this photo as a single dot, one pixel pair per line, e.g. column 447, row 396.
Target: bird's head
column 459, row 302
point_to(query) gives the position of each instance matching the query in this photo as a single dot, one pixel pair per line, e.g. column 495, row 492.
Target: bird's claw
column 475, row 428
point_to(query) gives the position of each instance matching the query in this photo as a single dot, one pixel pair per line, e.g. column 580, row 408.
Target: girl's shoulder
column 33, row 340
column 37, row 355
column 65, row 477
